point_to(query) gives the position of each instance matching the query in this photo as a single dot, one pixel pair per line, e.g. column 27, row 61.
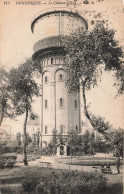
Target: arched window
column 76, row 128
column 44, row 62
column 46, row 130
column 60, row 77
column 75, row 103
column 61, row 102
column 56, row 60
column 46, row 79
column 51, row 60
column 62, row 129
column 48, row 61
column 60, row 60
column 46, row 104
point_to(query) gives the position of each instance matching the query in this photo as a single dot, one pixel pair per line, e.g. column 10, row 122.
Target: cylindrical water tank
column 48, row 26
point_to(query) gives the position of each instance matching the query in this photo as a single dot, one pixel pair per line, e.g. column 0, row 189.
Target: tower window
column 61, row 129
column 76, row 128
column 60, row 60
column 61, row 102
column 46, row 130
column 44, row 62
column 60, row 77
column 75, row 103
column 55, row 60
column 46, row 104
column 46, row 79
column 51, row 60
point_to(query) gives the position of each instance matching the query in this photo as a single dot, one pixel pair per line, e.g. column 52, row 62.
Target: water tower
column 59, row 109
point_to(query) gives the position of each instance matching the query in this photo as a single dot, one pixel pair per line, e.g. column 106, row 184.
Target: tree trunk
column 38, row 141
column 87, row 114
column 2, row 114
column 25, row 137
column 85, row 105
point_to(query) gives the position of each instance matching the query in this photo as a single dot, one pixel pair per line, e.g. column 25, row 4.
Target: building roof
column 63, row 143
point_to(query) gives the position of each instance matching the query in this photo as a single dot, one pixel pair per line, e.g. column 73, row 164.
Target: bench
column 30, row 158
column 106, row 170
column 45, row 164
column 95, row 168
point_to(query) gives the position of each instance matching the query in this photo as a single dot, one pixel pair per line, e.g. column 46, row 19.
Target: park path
column 58, row 164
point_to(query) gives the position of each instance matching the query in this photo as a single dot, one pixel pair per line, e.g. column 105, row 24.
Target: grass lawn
column 91, row 163
column 10, row 179
column 10, row 182
column 88, row 161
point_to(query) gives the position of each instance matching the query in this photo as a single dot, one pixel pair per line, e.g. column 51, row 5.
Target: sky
column 17, row 44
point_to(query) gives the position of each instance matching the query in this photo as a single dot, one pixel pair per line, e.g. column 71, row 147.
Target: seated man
column 108, row 166
column 102, row 168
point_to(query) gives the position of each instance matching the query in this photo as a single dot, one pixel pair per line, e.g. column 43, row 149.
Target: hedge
column 7, row 161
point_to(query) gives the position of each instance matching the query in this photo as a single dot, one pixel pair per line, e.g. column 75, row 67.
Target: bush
column 29, row 184
column 40, row 188
column 11, row 190
column 6, row 157
column 2, row 163
column 73, row 182
column 10, row 163
column 8, row 149
column 7, row 161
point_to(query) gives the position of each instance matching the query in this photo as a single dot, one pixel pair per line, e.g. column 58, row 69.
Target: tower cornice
column 47, row 52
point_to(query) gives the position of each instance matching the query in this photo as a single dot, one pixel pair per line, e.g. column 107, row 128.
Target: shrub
column 8, row 149
column 2, row 163
column 40, row 188
column 75, row 182
column 6, row 157
column 29, row 184
column 10, row 163
column 7, row 161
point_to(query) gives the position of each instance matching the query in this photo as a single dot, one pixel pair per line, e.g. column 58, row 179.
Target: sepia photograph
column 61, row 96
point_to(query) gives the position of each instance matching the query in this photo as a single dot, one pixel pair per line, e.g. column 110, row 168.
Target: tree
column 92, row 142
column 88, row 54
column 29, row 139
column 5, row 98
column 18, row 137
column 23, row 88
column 117, row 142
column 100, row 124
column 54, row 140
column 38, row 135
column 74, row 141
column 102, row 145
column 86, row 142
column 34, row 140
